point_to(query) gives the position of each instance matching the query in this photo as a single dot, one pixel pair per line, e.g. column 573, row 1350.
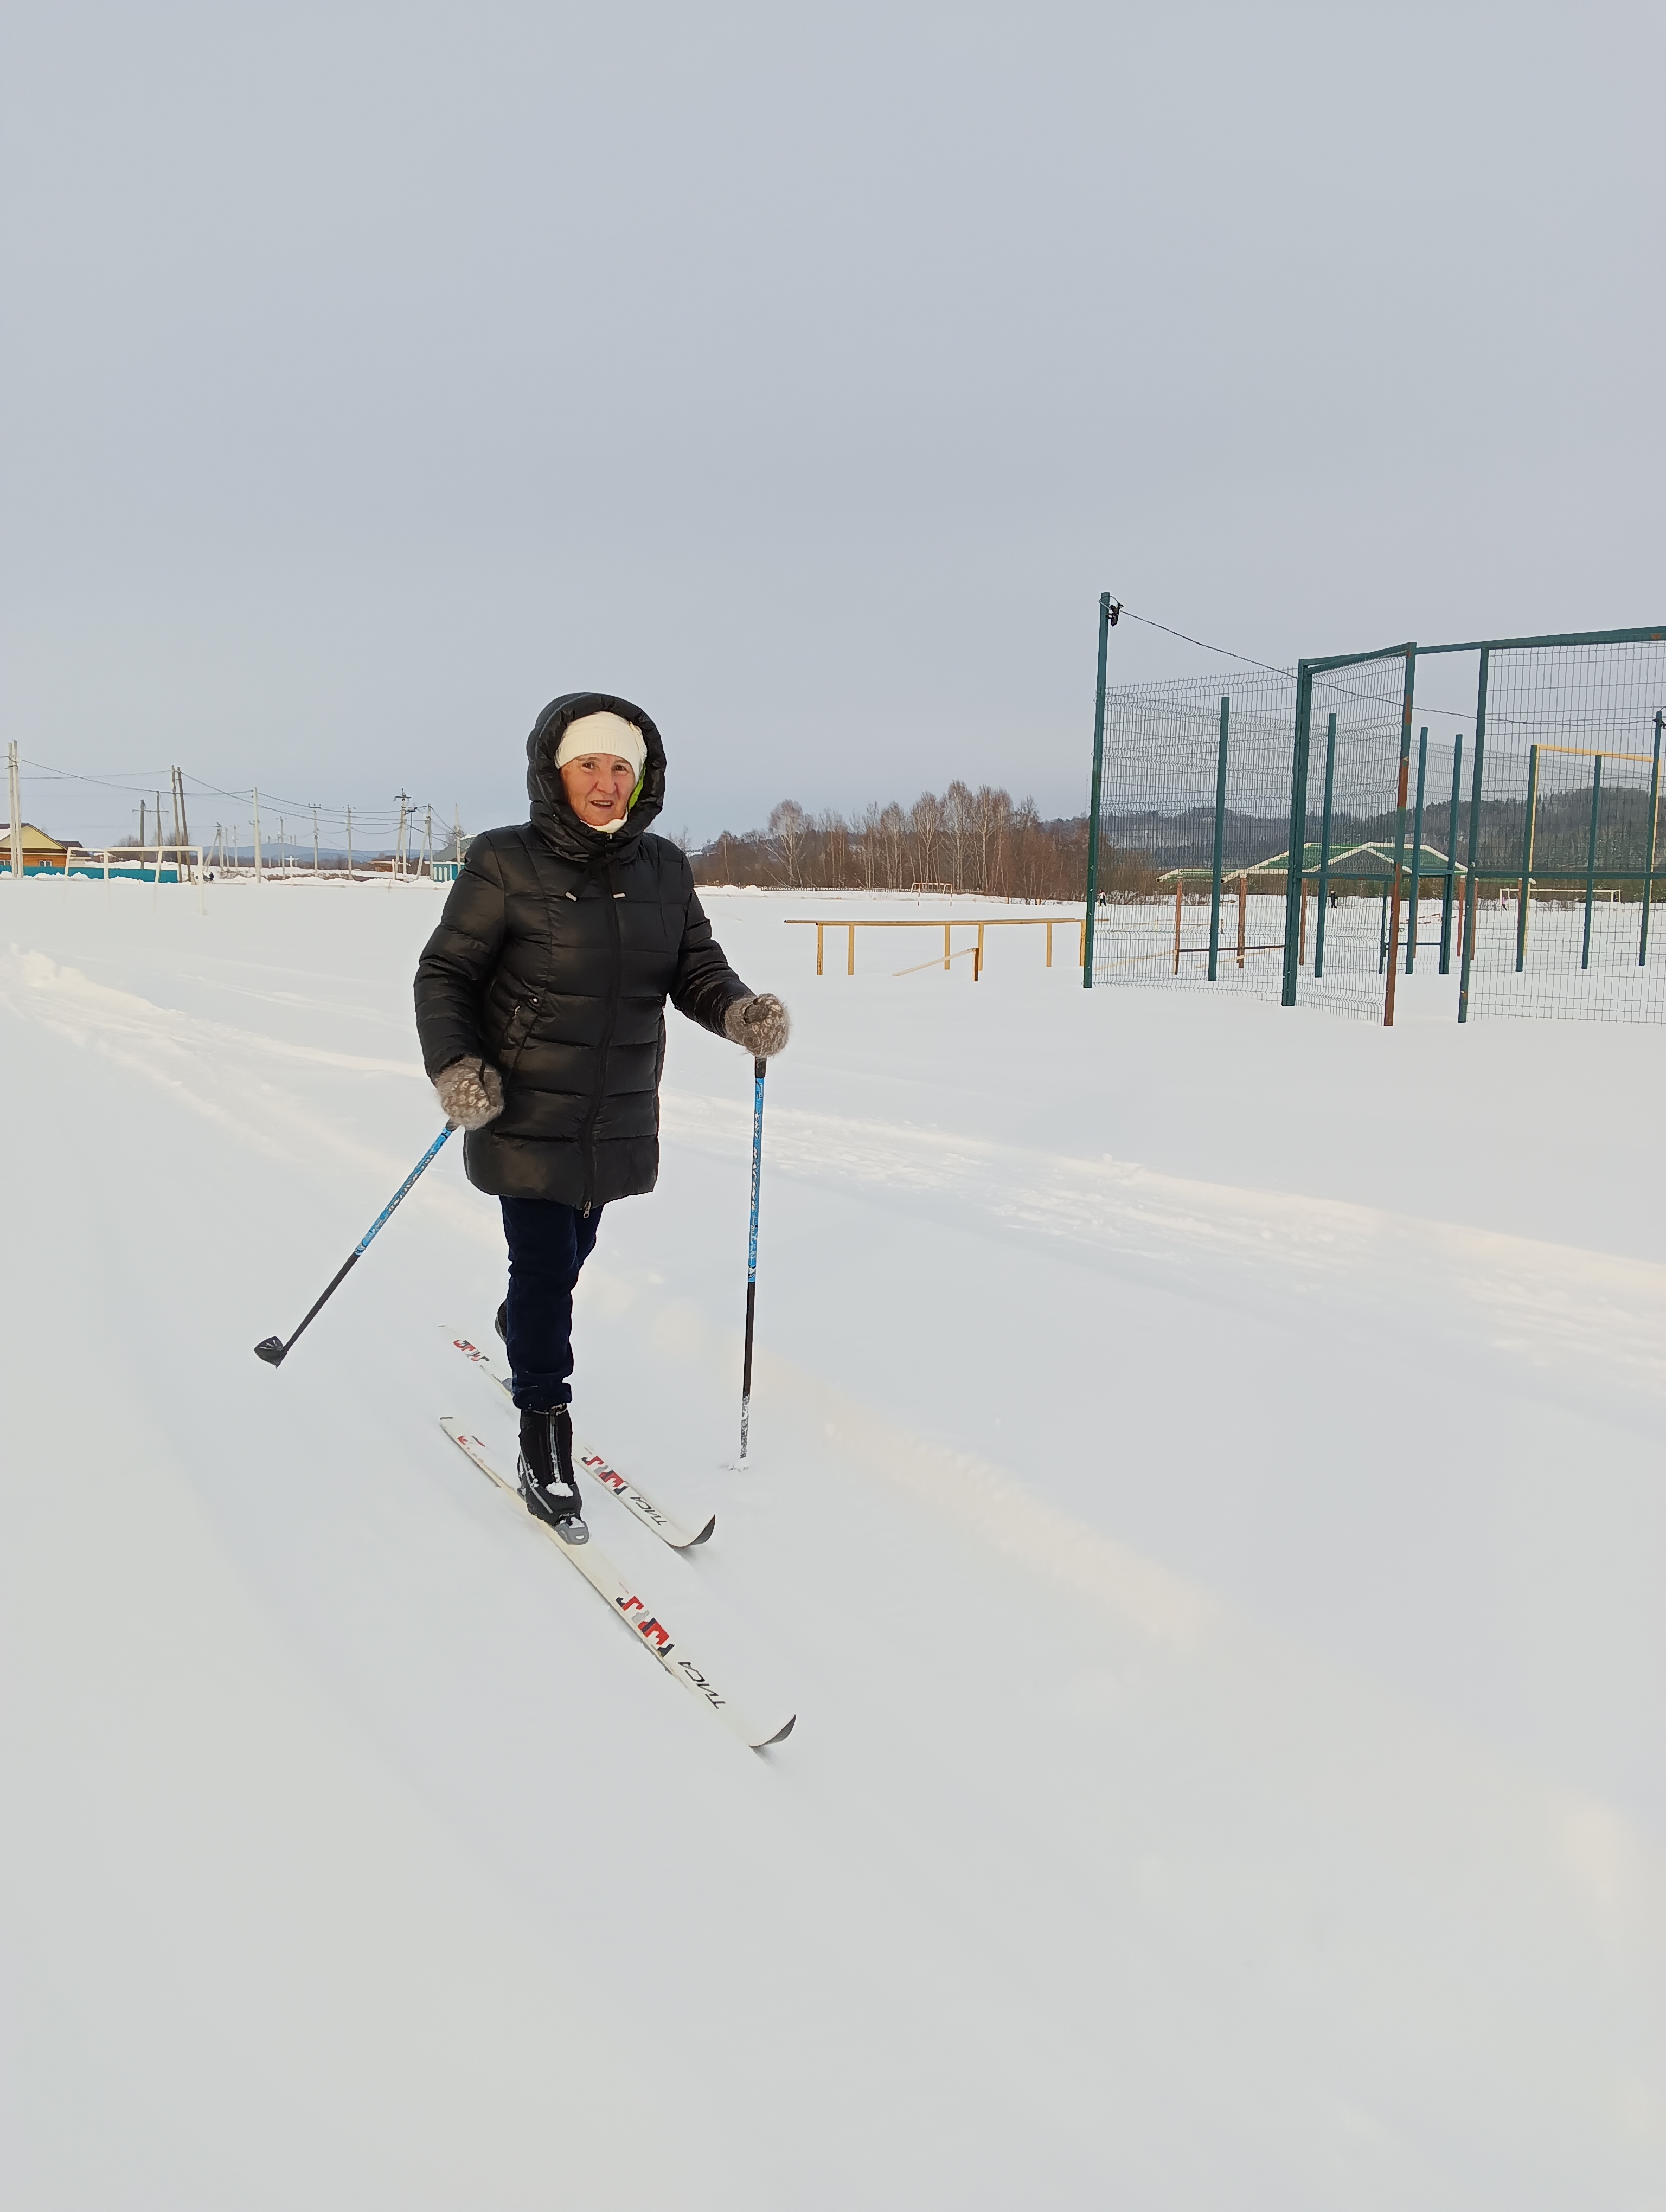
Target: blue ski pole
column 758, row 1067
column 272, row 1349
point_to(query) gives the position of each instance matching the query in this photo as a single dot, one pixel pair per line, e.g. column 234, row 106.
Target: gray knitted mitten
column 760, row 1024
column 470, row 1093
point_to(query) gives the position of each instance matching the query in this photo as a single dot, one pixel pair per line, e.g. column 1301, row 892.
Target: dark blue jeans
column 549, row 1243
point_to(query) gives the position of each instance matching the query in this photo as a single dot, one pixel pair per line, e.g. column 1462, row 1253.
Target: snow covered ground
column 1207, row 1512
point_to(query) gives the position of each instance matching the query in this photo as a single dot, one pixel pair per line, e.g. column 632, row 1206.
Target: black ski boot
column 547, row 1481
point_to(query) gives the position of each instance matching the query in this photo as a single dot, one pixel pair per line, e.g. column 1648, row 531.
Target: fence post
column 1324, row 851
column 1590, row 856
column 1220, row 845
column 1649, row 858
column 1400, row 832
column 1296, row 858
column 1105, row 619
column 1451, row 859
column 1179, row 897
column 1468, row 929
column 1530, row 823
column 1417, row 846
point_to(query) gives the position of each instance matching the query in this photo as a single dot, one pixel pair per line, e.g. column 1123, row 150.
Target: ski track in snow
column 1566, row 1312
column 1264, row 1932
column 1562, row 1309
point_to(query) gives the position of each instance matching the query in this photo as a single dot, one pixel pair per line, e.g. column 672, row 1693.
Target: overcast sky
column 373, row 373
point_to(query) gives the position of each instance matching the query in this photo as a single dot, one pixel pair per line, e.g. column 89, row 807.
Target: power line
column 144, row 783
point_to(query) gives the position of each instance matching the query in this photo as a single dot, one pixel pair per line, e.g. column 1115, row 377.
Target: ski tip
column 704, row 1537
column 780, row 1736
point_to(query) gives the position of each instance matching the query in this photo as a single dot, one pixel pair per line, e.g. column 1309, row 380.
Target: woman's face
column 599, row 786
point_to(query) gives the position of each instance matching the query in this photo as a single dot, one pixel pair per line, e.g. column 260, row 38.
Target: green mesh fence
column 1194, row 814
column 1356, row 840
column 1197, row 790
column 1523, row 851
column 1566, row 841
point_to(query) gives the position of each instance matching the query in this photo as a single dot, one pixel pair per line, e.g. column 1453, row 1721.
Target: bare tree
column 958, row 816
column 893, row 839
column 870, row 849
column 787, row 827
column 833, row 833
column 991, row 810
column 1026, row 844
column 926, row 828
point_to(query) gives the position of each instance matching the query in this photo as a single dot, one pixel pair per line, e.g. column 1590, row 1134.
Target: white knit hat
column 603, row 732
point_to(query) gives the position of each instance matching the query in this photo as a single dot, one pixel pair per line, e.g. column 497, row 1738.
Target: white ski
column 664, row 1525
column 599, row 1572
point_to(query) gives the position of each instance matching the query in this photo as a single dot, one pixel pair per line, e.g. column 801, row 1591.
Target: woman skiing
column 540, row 1005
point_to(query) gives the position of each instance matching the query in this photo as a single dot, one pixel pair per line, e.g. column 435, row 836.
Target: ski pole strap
column 386, row 1213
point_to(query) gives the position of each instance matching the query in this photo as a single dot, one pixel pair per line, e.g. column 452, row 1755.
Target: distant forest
column 985, row 842
column 982, row 842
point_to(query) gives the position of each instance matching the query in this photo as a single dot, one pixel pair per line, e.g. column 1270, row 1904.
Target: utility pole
column 315, row 836
column 457, row 833
column 428, row 842
column 399, row 837
column 182, row 827
column 350, row 844
column 14, row 802
column 257, row 833
column 142, row 826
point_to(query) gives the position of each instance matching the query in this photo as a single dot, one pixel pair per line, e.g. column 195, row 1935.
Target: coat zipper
column 587, row 1138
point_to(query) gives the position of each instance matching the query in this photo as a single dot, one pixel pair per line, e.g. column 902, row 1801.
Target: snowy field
column 1207, row 1512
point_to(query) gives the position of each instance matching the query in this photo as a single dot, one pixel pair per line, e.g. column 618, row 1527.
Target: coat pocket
column 517, row 1030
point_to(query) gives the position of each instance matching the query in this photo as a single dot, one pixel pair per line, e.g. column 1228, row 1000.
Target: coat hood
column 552, row 817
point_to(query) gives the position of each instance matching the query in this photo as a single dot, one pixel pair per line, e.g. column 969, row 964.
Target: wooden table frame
column 1048, row 922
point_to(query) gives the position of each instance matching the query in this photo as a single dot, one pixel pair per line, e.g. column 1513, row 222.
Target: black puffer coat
column 555, row 955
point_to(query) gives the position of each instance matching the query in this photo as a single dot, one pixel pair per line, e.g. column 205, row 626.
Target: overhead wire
column 1453, row 713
